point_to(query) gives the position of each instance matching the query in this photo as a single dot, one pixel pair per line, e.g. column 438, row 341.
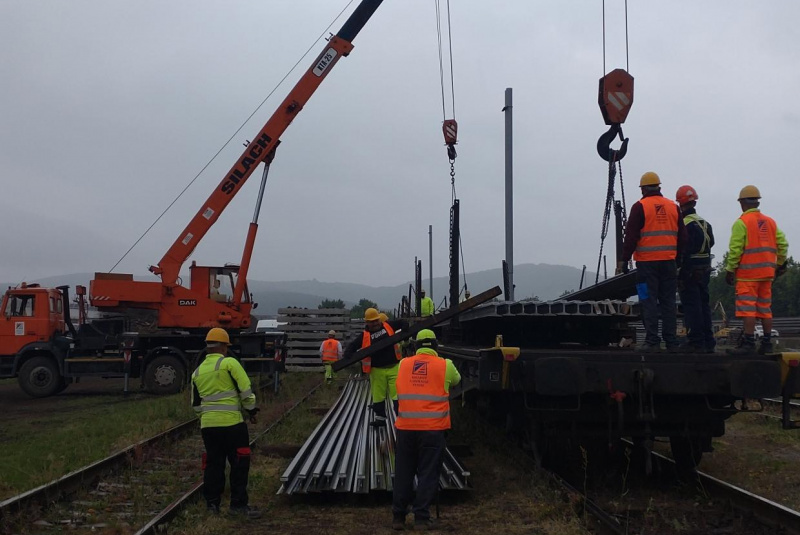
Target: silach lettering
column 244, row 165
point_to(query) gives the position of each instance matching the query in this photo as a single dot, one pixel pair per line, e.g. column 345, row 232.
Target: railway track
column 145, row 484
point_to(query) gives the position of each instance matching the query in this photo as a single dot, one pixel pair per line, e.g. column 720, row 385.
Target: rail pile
column 347, row 453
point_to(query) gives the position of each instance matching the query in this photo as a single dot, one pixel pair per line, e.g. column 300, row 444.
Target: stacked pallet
column 305, row 329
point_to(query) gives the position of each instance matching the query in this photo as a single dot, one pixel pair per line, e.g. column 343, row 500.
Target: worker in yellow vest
column 220, row 391
column 423, row 393
column 654, row 237
column 330, row 351
column 756, row 255
column 382, row 366
column 426, row 305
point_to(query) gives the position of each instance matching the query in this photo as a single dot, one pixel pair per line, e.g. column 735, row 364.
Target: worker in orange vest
column 330, row 351
column 756, row 255
column 423, row 393
column 654, row 237
column 382, row 366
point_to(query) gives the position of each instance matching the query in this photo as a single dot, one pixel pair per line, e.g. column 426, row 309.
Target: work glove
column 252, row 413
column 622, row 268
column 730, row 278
column 781, row 269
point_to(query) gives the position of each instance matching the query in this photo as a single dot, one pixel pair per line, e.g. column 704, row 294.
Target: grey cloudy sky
column 109, row 108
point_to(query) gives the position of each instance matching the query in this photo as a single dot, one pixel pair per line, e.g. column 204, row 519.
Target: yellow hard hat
column 425, row 334
column 749, row 192
column 371, row 314
column 384, row 318
column 649, row 179
column 218, row 335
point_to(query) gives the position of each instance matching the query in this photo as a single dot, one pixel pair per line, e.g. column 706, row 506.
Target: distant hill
column 544, row 281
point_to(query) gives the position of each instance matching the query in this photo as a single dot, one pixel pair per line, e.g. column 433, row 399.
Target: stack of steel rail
column 347, row 453
column 605, row 308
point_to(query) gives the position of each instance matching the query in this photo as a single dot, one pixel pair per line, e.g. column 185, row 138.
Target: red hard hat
column 686, row 194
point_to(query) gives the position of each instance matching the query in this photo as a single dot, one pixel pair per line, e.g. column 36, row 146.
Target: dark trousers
column 417, row 453
column 660, row 278
column 696, row 308
column 230, row 443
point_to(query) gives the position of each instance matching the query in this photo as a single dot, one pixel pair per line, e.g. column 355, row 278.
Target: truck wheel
column 686, row 452
column 165, row 375
column 39, row 377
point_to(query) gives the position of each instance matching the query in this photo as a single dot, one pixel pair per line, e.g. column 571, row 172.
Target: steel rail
column 766, row 511
column 52, row 491
column 154, row 526
column 606, row 522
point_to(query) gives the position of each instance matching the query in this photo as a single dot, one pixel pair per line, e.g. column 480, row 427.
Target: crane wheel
column 164, row 375
column 39, row 377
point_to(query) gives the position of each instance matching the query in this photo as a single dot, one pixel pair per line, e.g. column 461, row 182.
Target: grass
column 40, row 447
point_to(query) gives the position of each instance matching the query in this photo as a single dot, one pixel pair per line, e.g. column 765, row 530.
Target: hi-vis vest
column 221, row 396
column 423, row 403
column 704, row 254
column 760, row 255
column 330, row 350
column 366, row 341
column 659, row 236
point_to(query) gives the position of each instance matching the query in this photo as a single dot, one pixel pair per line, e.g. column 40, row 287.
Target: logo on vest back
column 420, row 368
column 187, row 302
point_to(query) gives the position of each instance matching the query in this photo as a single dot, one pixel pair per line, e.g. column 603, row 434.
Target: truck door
column 26, row 318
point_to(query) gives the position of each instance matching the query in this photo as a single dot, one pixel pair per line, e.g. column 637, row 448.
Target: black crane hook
column 604, row 144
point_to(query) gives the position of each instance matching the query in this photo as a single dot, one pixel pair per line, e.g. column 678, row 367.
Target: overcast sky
column 109, row 108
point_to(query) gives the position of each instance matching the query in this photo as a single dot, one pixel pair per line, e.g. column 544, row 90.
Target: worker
column 383, row 364
column 220, row 391
column 466, row 296
column 654, row 237
column 756, row 255
column 426, row 305
column 695, row 274
column 330, row 351
column 215, row 293
column 423, row 391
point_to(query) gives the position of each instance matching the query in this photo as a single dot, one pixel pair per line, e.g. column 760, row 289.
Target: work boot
column 398, row 523
column 765, row 347
column 747, row 346
column 378, row 422
column 212, row 509
column 650, row 348
column 251, row 513
column 675, row 349
column 425, row 525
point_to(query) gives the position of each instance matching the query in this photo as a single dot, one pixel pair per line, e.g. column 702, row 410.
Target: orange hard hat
column 686, row 194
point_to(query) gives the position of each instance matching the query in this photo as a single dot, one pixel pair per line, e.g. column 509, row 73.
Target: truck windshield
column 20, row 305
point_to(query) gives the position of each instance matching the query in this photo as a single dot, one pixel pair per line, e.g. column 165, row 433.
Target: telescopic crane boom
column 199, row 306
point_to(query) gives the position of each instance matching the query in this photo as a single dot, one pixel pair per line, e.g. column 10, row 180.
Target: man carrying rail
column 423, row 394
column 220, row 391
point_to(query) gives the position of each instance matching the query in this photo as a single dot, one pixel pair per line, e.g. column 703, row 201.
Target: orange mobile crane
column 198, row 306
column 40, row 345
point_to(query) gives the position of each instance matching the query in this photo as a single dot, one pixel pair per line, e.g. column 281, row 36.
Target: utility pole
column 509, row 196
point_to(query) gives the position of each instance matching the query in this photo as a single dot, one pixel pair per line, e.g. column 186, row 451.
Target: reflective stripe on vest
column 705, row 248
column 366, row 341
column 330, row 350
column 760, row 256
column 214, row 400
column 658, row 239
column 423, row 403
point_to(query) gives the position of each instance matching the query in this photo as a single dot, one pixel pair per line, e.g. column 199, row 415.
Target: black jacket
column 385, row 358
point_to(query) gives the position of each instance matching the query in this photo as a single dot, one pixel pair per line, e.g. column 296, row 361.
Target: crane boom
column 340, row 45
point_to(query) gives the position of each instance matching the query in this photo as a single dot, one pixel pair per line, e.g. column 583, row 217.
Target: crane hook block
column 450, row 129
column 615, row 96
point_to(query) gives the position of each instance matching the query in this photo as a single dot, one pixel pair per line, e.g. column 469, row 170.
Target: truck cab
column 31, row 316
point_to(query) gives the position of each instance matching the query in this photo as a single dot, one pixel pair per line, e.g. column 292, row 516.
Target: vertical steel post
column 430, row 260
column 455, row 234
column 509, row 194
